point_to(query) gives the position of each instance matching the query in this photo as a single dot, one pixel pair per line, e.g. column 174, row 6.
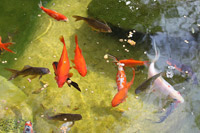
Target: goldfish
column 28, row 127
column 68, row 81
column 95, row 24
column 147, row 83
column 62, row 70
column 122, row 94
column 183, row 69
column 79, row 60
column 160, row 83
column 29, row 70
column 3, row 46
column 65, row 117
column 53, row 14
column 121, row 77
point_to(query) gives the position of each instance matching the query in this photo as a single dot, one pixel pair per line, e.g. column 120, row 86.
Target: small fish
column 147, row 83
column 68, row 81
column 122, row 94
column 62, row 70
column 53, row 14
column 183, row 69
column 29, row 70
column 65, row 117
column 161, row 84
column 28, row 127
column 168, row 112
column 3, row 46
column 95, row 24
column 79, row 60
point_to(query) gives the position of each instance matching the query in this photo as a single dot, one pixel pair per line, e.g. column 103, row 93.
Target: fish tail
column 115, row 60
column 40, row 4
column 78, row 18
column 15, row 73
column 157, row 52
column 62, row 39
column 76, row 39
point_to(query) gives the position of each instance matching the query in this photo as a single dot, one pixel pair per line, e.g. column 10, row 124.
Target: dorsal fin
column 26, row 67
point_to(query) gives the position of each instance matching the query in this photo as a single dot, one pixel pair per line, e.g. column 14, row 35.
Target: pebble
column 105, row 56
column 54, row 56
column 92, row 91
column 128, row 2
column 136, row 97
column 121, row 40
column 39, row 15
column 29, row 58
column 15, row 58
column 131, row 42
column 123, row 45
column 97, row 42
column 42, row 115
column 107, row 61
column 186, row 41
column 145, row 52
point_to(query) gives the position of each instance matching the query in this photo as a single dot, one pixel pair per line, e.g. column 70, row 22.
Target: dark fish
column 68, row 81
column 147, row 83
column 169, row 111
column 95, row 24
column 183, row 69
column 29, row 70
column 65, row 117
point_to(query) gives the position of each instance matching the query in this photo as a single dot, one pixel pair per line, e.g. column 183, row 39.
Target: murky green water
column 37, row 44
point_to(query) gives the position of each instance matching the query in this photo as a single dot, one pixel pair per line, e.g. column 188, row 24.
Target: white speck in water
column 185, row 16
column 42, row 115
column 136, row 97
column 39, row 15
column 29, row 58
column 15, row 58
column 121, row 40
column 65, row 119
column 23, row 86
column 123, row 18
column 86, row 89
column 105, row 56
column 198, row 25
column 145, row 52
column 136, row 8
column 97, row 42
column 186, row 72
column 186, row 41
column 154, row 0
column 193, row 31
column 123, row 45
column 183, row 88
column 3, row 62
column 107, row 61
column 118, row 50
column 163, row 109
column 54, row 56
column 128, row 2
column 68, row 5
column 92, row 91
column 127, row 50
column 53, row 4
column 192, row 113
column 134, row 31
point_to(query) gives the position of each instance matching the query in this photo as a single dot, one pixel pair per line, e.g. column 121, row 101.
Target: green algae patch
column 14, row 110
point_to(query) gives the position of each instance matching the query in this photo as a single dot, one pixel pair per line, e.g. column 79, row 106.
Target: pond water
column 173, row 25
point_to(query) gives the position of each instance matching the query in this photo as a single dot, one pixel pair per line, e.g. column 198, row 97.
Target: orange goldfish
column 5, row 45
column 53, row 14
column 122, row 94
column 121, row 77
column 79, row 60
column 62, row 71
column 28, row 127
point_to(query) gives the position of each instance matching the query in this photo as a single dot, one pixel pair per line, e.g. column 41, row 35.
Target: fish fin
column 74, row 67
column 70, row 75
column 14, row 73
column 72, row 61
column 75, row 85
column 78, row 17
column 55, row 64
column 62, row 39
column 115, row 60
column 40, row 4
column 26, row 67
column 8, row 50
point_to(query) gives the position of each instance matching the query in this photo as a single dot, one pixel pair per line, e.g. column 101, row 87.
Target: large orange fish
column 122, row 94
column 62, row 71
column 79, row 60
column 5, row 45
column 53, row 14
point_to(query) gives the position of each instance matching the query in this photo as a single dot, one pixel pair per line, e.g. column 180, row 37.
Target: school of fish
column 155, row 81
